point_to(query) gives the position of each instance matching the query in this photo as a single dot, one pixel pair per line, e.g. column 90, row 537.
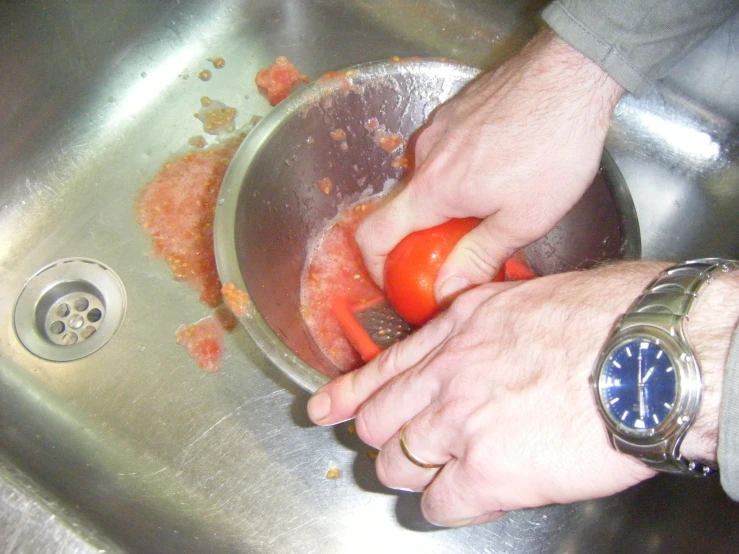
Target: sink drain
column 69, row 309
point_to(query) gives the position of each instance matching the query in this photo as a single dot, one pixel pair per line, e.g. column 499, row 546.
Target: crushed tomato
column 205, row 342
column 177, row 209
column 277, row 81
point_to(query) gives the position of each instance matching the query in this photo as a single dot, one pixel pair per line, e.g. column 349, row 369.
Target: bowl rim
column 224, row 226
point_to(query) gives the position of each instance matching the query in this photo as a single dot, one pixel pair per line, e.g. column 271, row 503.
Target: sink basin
column 131, row 447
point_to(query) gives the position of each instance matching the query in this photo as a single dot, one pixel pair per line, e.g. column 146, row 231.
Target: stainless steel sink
column 132, row 448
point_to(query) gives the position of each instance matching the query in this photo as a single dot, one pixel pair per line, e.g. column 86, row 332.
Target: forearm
column 560, row 77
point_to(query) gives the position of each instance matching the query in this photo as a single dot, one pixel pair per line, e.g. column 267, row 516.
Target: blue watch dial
column 638, row 384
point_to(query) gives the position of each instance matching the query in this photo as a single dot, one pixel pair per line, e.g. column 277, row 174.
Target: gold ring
column 412, row 457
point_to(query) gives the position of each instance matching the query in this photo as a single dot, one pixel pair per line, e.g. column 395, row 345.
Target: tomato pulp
column 277, row 81
column 335, row 268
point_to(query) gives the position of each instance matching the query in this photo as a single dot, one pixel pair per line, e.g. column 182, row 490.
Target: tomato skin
column 413, row 265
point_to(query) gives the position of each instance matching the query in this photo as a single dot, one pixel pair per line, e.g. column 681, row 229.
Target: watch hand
column 648, row 374
column 639, row 366
column 642, row 407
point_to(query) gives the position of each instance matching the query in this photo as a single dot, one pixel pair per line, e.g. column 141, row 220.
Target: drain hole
column 77, row 324
column 81, row 304
column 94, row 315
column 76, row 321
column 70, row 312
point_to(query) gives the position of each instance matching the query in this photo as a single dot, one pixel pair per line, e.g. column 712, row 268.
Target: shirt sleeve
column 636, row 41
column 728, row 428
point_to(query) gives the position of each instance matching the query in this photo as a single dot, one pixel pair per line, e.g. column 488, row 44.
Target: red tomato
column 411, row 268
column 517, row 271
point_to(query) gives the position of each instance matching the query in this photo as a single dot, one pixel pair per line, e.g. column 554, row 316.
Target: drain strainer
column 69, row 309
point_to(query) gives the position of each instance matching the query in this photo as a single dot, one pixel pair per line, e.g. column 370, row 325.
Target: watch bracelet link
column 669, row 297
column 676, row 463
column 672, row 292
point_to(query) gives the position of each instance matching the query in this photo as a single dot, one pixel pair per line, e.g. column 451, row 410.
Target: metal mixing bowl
column 270, row 204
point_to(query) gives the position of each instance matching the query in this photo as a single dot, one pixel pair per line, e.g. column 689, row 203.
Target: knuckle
column 464, row 305
column 450, row 411
column 481, row 261
column 389, row 362
column 366, row 424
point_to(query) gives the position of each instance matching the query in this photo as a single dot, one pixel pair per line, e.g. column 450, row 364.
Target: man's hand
column 517, row 148
column 496, row 389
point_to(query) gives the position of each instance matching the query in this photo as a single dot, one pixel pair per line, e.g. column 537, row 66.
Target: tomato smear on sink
column 177, row 209
column 206, row 340
column 277, row 81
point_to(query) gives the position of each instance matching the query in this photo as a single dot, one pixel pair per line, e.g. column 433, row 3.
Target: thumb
column 382, row 230
column 475, row 259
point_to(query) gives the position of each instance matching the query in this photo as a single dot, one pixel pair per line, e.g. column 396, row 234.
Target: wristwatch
column 647, row 381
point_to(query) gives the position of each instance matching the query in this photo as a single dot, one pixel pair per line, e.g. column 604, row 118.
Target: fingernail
column 460, row 523
column 319, row 407
column 452, row 287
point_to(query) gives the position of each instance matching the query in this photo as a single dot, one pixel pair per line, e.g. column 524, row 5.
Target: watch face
column 638, row 384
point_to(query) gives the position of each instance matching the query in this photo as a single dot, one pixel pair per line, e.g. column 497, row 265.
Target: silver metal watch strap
column 673, row 291
column 667, row 300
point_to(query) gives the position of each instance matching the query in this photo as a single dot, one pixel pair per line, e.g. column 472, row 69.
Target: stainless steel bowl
column 270, row 204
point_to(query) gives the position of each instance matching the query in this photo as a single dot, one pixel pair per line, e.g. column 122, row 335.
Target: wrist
column 581, row 79
column 710, row 326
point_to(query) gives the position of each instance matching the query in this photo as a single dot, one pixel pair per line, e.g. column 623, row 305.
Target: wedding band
column 412, row 457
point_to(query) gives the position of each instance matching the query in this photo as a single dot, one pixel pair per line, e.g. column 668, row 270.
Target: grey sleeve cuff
column 636, row 41
column 728, row 429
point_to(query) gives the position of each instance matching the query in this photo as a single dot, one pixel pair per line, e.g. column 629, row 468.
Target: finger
column 454, row 500
column 428, row 438
column 397, row 471
column 340, row 399
column 382, row 230
column 414, row 394
column 475, row 259
column 411, row 399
